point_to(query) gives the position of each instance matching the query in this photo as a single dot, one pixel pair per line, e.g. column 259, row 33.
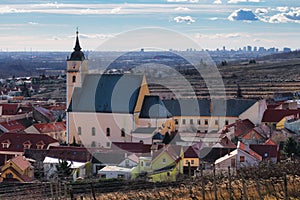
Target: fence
column 281, row 181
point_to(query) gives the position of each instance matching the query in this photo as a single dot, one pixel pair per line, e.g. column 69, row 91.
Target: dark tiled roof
column 241, row 127
column 109, row 158
column 209, row 154
column 153, row 107
column 107, row 93
column 265, row 151
column 146, row 130
column 132, row 147
column 207, row 107
column 45, row 112
column 190, row 152
column 76, row 154
column 18, row 139
column 9, row 108
column 275, row 115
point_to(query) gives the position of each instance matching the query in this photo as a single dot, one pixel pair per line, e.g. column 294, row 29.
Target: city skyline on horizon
column 39, row 26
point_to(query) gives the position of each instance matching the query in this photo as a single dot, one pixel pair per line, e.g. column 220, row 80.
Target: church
column 106, row 108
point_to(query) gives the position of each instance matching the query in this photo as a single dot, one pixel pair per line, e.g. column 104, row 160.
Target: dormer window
column 73, row 79
column 27, row 145
column 40, row 145
column 5, row 144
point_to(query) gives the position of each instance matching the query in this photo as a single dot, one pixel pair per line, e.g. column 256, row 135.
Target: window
column 142, row 164
column 107, row 144
column 93, row 131
column 199, row 122
column 79, row 130
column 206, row 122
column 216, row 122
column 183, row 121
column 73, row 79
column 163, row 161
column 187, row 162
column 176, row 121
column 191, row 121
column 9, row 175
column 5, row 145
column 192, row 162
column 122, row 132
column 226, row 122
column 107, row 132
column 93, row 144
column 242, row 158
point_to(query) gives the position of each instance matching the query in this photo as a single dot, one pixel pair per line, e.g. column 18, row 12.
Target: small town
column 89, row 136
column 174, row 99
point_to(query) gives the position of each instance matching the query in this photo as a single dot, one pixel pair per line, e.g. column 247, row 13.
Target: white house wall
column 100, row 121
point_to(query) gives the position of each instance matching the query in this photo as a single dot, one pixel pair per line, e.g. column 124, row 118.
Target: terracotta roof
column 270, row 142
column 12, row 126
column 249, row 150
column 17, row 140
column 50, row 127
column 240, row 127
column 226, row 142
column 21, row 162
column 271, row 115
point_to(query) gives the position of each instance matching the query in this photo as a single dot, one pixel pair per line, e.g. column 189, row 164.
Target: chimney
column 210, row 106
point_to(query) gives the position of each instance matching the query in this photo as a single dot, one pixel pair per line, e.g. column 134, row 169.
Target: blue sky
column 51, row 25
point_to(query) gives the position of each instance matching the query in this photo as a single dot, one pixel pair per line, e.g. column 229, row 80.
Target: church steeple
column 77, row 45
column 77, row 53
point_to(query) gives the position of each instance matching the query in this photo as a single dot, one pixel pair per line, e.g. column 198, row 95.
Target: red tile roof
column 9, row 108
column 271, row 115
column 12, row 126
column 249, row 150
column 50, row 127
column 241, row 127
column 18, row 139
column 270, row 142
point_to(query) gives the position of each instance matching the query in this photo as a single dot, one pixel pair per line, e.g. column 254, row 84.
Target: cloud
column 188, row 1
column 33, row 23
column 116, row 10
column 8, row 9
column 94, row 36
column 182, row 9
column 243, row 15
column 291, row 16
column 222, row 36
column 186, row 19
column 243, row 1
column 217, row 2
column 213, row 18
column 282, row 9
column 261, row 11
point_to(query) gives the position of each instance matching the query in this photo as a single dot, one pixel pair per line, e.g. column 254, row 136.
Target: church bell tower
column 77, row 68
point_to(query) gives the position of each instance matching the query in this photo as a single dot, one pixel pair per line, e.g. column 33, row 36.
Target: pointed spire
column 77, row 45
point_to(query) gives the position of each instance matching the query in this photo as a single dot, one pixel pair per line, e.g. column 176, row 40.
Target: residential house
column 113, row 158
column 56, row 130
column 17, row 169
column 14, row 144
column 206, row 115
column 50, row 169
column 163, row 165
column 237, row 159
column 115, row 172
column 254, row 136
column 190, row 160
column 43, row 115
column 273, row 117
column 268, row 151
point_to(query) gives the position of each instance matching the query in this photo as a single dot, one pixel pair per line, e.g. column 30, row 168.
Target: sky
column 36, row 25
